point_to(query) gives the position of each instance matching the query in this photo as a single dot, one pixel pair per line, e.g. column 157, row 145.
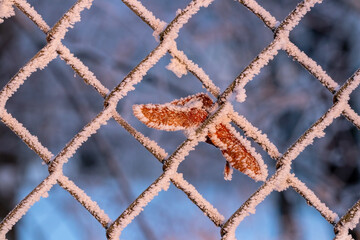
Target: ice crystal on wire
column 6, row 9
column 178, row 68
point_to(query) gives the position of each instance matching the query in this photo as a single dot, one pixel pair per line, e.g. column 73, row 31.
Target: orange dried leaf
column 169, row 118
column 190, row 112
column 200, row 97
column 234, row 151
column 228, row 172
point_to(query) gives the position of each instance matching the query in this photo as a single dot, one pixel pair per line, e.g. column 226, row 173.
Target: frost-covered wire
column 281, row 180
column 348, row 221
column 6, row 9
column 312, row 199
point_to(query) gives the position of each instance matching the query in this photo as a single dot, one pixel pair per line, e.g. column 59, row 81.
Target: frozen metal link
column 280, row 181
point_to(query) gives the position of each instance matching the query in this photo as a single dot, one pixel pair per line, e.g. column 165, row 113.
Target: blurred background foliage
column 283, row 101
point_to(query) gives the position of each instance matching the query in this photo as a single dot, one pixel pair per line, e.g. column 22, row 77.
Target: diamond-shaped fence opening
column 226, row 42
column 298, row 96
column 214, row 128
column 328, row 37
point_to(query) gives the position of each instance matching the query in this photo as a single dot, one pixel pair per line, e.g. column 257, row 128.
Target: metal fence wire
column 282, row 179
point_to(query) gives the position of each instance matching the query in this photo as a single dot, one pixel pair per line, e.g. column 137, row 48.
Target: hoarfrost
column 6, row 9
column 240, row 94
column 198, row 198
column 310, row 196
column 178, row 68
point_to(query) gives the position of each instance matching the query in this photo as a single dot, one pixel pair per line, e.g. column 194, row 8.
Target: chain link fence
column 282, row 179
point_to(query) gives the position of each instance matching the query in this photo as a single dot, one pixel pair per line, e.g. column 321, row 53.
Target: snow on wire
column 167, row 34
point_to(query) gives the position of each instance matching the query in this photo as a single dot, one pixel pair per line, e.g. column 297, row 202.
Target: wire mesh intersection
column 168, row 33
